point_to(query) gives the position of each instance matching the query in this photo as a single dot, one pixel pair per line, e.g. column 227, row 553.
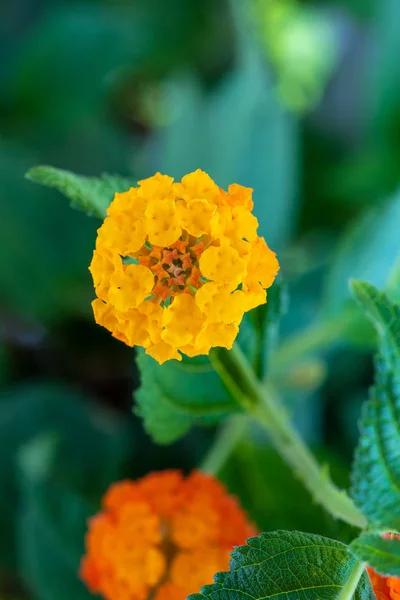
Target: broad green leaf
column 376, row 470
column 90, row 194
column 176, row 395
column 51, row 527
column 91, row 446
column 292, row 566
column 381, row 554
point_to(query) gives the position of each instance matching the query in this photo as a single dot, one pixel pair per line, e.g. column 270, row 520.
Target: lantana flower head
column 162, row 537
column 177, row 265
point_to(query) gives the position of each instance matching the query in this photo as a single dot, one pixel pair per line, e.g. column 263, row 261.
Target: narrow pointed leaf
column 376, row 470
column 90, row 194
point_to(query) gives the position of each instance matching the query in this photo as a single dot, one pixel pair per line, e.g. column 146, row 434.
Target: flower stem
column 225, row 443
column 263, row 406
column 348, row 590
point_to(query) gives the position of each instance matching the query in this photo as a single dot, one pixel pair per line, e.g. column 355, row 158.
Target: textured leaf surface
column 287, row 565
column 381, row 554
column 385, row 315
column 376, row 471
column 90, row 194
column 175, row 395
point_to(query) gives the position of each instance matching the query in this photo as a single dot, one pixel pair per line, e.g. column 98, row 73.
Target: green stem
column 226, row 440
column 271, row 415
column 348, row 590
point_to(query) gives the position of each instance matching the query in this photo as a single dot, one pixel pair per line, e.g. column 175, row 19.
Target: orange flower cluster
column 385, row 588
column 177, row 265
column 162, row 537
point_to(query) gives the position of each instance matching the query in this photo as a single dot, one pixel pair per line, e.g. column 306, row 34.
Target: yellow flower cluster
column 176, row 265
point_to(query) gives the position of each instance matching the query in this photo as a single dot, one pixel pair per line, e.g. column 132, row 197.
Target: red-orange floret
column 162, row 537
column 385, row 588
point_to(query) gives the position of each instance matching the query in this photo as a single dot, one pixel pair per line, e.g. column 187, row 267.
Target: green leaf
column 90, row 194
column 176, row 395
column 290, row 565
column 51, row 527
column 368, row 250
column 381, row 554
column 235, row 125
column 91, row 446
column 385, row 315
column 384, row 75
column 46, row 247
column 376, row 469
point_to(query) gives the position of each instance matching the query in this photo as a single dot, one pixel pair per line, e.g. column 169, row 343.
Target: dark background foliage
column 299, row 100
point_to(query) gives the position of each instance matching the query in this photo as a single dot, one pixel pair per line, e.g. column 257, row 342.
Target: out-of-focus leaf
column 3, row 363
column 238, row 132
column 303, row 46
column 45, row 247
column 384, row 88
column 376, row 473
column 92, row 447
column 51, row 529
column 381, row 554
column 289, row 565
column 369, row 250
column 90, row 194
column 176, row 395
column 72, row 53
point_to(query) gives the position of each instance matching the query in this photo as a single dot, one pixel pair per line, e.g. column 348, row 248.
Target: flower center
column 176, row 268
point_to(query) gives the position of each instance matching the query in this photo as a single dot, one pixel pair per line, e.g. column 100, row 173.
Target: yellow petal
column 130, row 287
column 238, row 195
column 263, row 265
column 162, row 222
column 157, row 187
column 222, row 264
column 196, row 216
column 219, row 304
column 162, row 352
column 200, row 185
column 182, row 321
column 218, row 334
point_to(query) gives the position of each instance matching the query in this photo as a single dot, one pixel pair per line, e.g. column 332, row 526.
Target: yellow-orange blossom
column 176, row 265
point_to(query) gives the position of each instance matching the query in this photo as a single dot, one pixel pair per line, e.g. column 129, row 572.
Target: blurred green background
column 299, row 100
